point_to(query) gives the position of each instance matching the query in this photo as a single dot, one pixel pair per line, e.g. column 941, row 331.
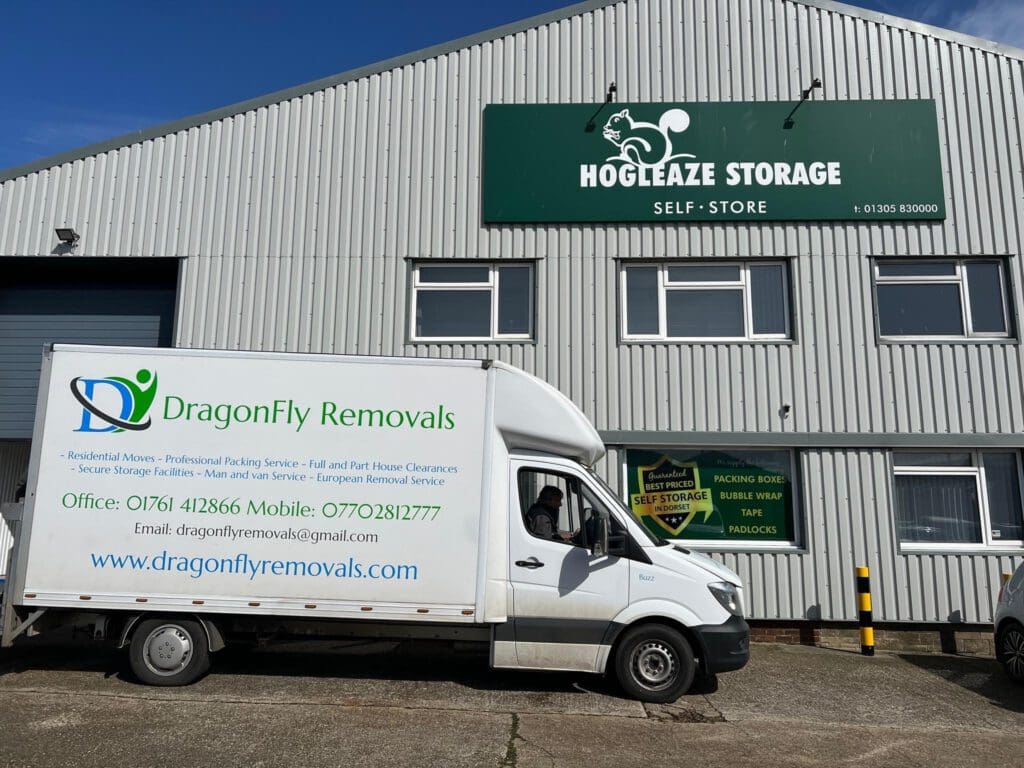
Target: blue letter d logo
column 85, row 397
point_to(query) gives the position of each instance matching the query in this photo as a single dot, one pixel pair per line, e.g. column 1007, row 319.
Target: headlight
column 728, row 595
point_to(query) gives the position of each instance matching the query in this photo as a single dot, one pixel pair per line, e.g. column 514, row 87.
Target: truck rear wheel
column 169, row 651
column 654, row 663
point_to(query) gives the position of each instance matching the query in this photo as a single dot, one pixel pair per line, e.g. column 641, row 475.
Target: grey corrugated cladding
column 295, row 216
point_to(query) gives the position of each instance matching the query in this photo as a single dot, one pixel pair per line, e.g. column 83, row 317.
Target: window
column 702, row 300
column 468, row 302
column 715, row 496
column 942, row 299
column 560, row 508
column 963, row 498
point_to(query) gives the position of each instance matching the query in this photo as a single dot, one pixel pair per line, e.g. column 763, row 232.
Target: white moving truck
column 177, row 495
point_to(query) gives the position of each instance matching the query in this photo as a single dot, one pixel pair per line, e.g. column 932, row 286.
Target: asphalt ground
column 427, row 704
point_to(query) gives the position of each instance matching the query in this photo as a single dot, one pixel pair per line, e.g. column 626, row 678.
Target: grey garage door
column 82, row 301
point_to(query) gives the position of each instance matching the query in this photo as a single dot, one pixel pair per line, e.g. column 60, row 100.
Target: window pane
column 920, row 310
column 704, row 313
column 551, row 505
column 704, row 273
column 917, row 269
column 455, row 274
column 694, row 493
column 448, row 314
column 986, row 298
column 515, row 287
column 921, row 459
column 642, row 301
column 768, row 298
column 939, row 510
column 1003, row 485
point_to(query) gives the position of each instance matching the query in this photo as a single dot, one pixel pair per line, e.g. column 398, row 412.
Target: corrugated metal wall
column 296, row 219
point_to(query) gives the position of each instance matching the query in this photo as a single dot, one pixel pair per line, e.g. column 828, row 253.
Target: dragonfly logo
column 115, row 404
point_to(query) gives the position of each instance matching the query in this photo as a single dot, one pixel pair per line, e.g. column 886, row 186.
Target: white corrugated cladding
column 295, row 219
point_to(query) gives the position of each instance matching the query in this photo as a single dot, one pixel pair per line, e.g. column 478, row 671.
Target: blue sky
column 78, row 72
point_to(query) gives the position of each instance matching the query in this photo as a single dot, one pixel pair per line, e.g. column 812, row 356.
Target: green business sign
column 713, row 495
column 735, row 161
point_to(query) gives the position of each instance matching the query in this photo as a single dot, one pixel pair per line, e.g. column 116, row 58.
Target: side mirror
column 599, row 541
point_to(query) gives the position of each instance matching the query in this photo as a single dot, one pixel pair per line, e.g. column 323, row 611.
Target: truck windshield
column 626, row 511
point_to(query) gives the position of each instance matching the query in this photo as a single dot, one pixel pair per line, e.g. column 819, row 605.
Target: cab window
column 560, row 508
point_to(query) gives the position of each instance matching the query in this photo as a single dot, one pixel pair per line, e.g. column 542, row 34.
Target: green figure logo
column 136, row 397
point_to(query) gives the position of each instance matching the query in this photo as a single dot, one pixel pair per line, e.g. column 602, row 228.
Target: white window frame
column 492, row 284
column 960, row 279
column 665, row 285
column 977, row 471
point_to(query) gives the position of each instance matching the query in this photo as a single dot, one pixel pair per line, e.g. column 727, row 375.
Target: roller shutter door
column 82, row 301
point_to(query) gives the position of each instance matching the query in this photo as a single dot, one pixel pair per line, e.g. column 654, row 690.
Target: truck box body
column 243, row 485
column 236, row 478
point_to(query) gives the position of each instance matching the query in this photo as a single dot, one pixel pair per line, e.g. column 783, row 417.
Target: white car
column 1010, row 626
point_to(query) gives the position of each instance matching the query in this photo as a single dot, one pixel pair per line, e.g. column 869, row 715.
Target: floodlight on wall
column 815, row 83
column 788, row 123
column 67, row 235
column 589, row 127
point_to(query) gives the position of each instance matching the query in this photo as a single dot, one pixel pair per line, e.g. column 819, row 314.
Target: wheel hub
column 655, row 665
column 1013, row 652
column 167, row 650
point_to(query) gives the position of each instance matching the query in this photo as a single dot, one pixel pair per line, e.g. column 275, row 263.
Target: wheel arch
column 658, row 612
column 214, row 637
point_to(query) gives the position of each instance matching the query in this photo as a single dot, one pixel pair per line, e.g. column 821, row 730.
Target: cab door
column 563, row 598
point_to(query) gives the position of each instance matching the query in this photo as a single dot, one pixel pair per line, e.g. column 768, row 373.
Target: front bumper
column 726, row 646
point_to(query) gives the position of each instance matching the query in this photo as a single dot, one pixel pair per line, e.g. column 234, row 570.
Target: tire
column 1010, row 650
column 654, row 663
column 169, row 651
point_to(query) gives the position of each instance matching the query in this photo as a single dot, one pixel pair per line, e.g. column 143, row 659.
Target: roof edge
column 488, row 35
column 910, row 25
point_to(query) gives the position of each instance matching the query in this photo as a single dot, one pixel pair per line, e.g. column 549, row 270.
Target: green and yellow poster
column 729, row 495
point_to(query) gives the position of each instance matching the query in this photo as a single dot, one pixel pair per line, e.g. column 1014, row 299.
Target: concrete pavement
column 379, row 704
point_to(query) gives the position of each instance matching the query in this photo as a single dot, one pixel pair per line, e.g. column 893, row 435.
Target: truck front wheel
column 654, row 663
column 169, row 651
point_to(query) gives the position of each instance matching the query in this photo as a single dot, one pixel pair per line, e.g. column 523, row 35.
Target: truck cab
column 601, row 594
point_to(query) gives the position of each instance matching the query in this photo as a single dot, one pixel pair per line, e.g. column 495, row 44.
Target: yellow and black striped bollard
column 867, row 630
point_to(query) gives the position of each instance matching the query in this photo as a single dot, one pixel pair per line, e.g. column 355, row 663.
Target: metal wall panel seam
column 274, row 220
column 370, row 153
column 43, row 201
column 834, row 559
column 999, row 82
column 859, row 518
column 165, row 240
column 990, row 149
column 138, row 244
column 231, row 188
column 181, row 212
column 93, row 171
column 213, row 185
column 879, row 526
column 979, row 170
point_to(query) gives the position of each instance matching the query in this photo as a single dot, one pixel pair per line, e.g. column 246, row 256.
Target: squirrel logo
column 645, row 145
